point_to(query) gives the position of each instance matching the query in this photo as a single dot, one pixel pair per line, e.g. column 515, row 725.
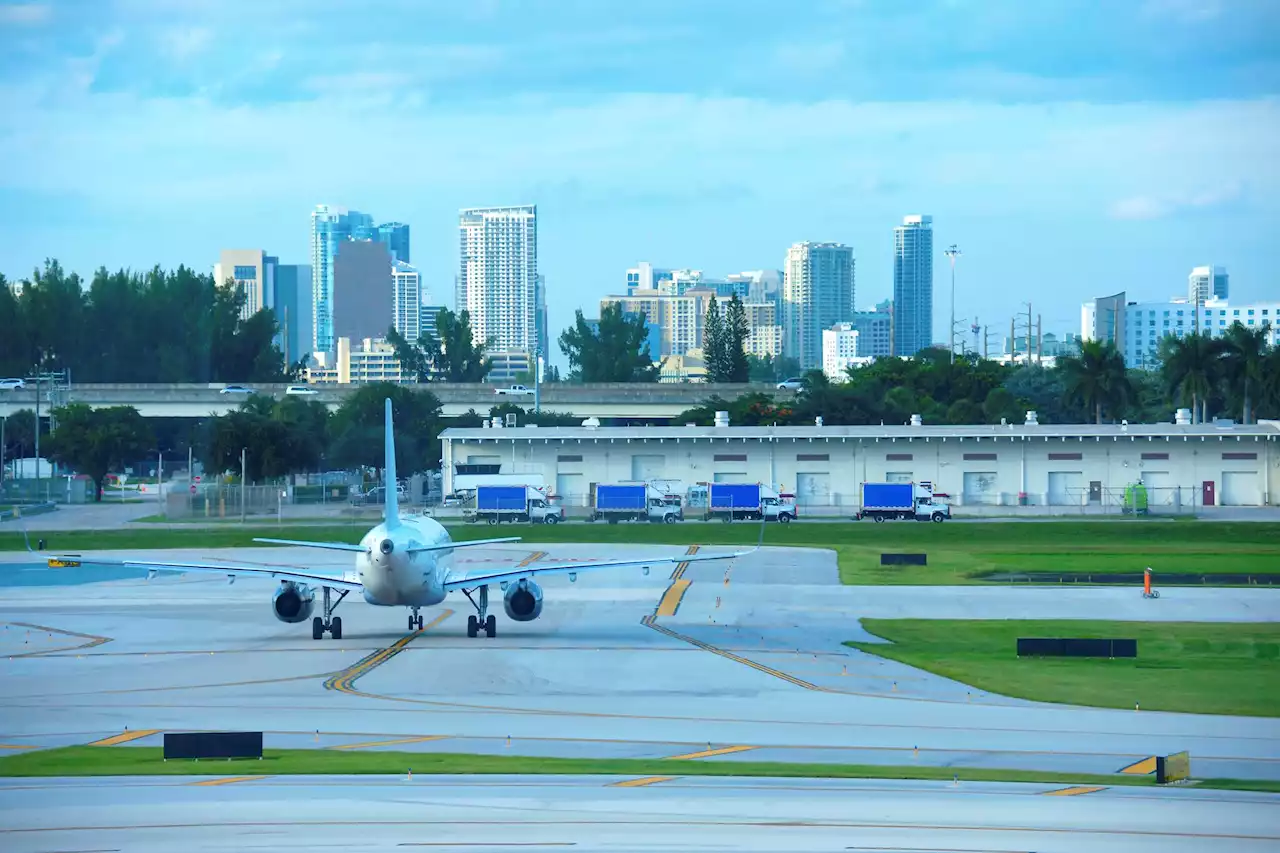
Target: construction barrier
column 904, row 559
column 1173, row 768
column 1077, row 648
column 213, row 745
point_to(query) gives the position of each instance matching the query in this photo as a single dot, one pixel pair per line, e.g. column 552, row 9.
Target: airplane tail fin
column 392, row 495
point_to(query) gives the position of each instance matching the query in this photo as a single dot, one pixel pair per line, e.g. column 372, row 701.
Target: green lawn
column 959, row 553
column 1196, row 667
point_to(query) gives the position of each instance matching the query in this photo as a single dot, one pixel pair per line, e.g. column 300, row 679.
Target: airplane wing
column 360, row 549
column 519, row 573
column 230, row 570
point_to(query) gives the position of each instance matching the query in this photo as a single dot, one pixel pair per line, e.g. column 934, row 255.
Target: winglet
column 392, row 495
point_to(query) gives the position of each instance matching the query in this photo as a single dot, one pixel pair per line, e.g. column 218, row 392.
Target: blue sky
column 1070, row 147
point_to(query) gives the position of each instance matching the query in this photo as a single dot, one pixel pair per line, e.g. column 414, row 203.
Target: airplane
column 404, row 561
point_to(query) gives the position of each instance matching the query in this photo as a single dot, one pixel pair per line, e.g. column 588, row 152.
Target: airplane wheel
column 419, row 622
column 335, row 628
column 491, row 627
column 472, row 626
column 317, row 628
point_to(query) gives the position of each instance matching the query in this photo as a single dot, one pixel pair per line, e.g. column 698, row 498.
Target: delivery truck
column 881, row 501
column 496, row 504
column 738, row 501
column 636, row 502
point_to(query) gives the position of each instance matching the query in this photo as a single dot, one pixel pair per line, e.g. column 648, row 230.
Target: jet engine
column 293, row 602
column 523, row 601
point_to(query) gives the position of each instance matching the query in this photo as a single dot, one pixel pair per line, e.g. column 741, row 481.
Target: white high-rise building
column 913, row 285
column 817, row 293
column 406, row 305
column 840, row 350
column 498, row 275
column 1207, row 283
column 253, row 273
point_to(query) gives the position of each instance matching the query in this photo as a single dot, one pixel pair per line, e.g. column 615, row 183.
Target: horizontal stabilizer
column 448, row 546
column 328, row 546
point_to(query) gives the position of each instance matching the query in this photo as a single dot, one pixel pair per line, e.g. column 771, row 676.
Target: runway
column 736, row 662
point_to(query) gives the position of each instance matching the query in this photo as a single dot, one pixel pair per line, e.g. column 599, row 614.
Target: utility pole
column 537, row 379
column 1013, row 341
column 242, row 484
column 952, row 252
column 160, row 482
column 1039, row 339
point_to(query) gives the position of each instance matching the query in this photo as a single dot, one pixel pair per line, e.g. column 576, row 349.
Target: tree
column 357, row 428
column 413, row 357
column 542, row 418
column 616, row 350
column 1269, row 387
column 454, row 355
column 20, row 434
column 93, row 441
column 1191, row 367
column 1096, row 378
column 1244, row 352
column 715, row 344
column 736, row 331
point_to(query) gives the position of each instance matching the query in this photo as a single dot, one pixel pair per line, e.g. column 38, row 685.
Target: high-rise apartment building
column 498, row 275
column 406, row 298
column 253, row 273
column 645, row 278
column 764, row 333
column 1136, row 328
column 1103, row 319
column 395, row 235
column 762, row 285
column 874, row 330
column 330, row 227
column 293, row 310
column 913, row 285
column 1207, row 283
column 427, row 323
column 363, row 296
column 817, row 293
column 839, row 350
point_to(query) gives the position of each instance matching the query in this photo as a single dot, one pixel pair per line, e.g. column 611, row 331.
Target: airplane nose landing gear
column 415, row 620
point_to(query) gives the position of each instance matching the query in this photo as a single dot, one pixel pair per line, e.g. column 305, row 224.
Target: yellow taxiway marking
column 680, row 569
column 767, row 670
column 1141, row 768
column 532, row 558
column 671, row 599
column 396, row 742
column 16, row 746
column 91, row 640
column 710, row 753
column 1075, row 791
column 125, row 737
column 228, row 780
column 640, row 783
column 345, row 680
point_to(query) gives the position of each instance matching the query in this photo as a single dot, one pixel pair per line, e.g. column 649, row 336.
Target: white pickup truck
column 515, row 390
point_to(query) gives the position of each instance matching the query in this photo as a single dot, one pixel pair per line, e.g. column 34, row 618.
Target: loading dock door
column 1240, row 488
column 813, row 489
column 1160, row 488
column 572, row 489
column 1066, row 488
column 646, row 468
column 980, row 487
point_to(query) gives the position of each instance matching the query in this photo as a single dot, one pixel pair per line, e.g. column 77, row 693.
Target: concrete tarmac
column 619, row 665
column 621, row 813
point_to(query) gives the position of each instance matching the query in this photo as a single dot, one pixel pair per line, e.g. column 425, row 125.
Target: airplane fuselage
column 394, row 576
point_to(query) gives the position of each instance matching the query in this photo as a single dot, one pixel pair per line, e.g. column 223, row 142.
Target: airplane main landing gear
column 330, row 623
column 415, row 620
column 482, row 621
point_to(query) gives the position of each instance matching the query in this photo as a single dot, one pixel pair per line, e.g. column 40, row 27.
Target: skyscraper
column 406, row 288
column 330, row 226
column 1207, row 283
column 498, row 275
column 293, row 310
column 817, row 293
column 396, row 236
column 252, row 271
column 363, row 300
column 913, row 285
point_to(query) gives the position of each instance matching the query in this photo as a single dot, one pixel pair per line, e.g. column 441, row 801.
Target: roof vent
column 1032, row 419
column 722, row 419
column 817, row 421
column 496, row 422
column 916, row 420
column 591, row 422
column 1182, row 417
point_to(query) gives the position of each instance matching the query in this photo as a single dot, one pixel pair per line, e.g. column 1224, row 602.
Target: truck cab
column 667, row 509
column 777, row 507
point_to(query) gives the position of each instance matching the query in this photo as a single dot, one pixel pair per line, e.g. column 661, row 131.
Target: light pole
column 952, row 252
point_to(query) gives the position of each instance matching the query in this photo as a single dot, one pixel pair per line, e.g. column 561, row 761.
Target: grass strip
column 1193, row 667
column 148, row 761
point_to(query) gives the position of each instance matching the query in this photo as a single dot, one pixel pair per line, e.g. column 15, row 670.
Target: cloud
column 184, row 43
column 25, row 14
column 1160, row 206
column 1183, row 11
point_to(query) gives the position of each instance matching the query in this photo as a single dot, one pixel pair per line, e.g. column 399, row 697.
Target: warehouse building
column 1077, row 467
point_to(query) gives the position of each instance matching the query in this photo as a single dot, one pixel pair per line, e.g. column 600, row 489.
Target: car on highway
column 236, row 389
column 515, row 390
column 795, row 383
column 12, row 384
column 300, row 389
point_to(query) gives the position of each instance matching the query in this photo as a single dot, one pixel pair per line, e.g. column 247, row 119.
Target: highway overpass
column 613, row 400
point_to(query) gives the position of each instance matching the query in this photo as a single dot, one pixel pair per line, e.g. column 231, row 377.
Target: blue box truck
column 734, row 501
column 882, row 501
column 496, row 504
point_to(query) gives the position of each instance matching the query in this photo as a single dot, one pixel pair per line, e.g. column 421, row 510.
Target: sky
column 1070, row 148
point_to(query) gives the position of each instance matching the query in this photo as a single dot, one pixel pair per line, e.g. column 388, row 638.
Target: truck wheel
column 938, row 517
column 493, row 519
column 670, row 519
column 784, row 518
column 879, row 519
column 551, row 519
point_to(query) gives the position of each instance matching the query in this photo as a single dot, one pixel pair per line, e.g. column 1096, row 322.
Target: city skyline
column 1042, row 138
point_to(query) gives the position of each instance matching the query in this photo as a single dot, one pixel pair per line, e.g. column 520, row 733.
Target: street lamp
column 952, row 252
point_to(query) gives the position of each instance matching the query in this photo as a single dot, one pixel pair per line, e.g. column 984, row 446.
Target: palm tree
column 1245, row 350
column 1269, row 386
column 1191, row 366
column 1096, row 378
